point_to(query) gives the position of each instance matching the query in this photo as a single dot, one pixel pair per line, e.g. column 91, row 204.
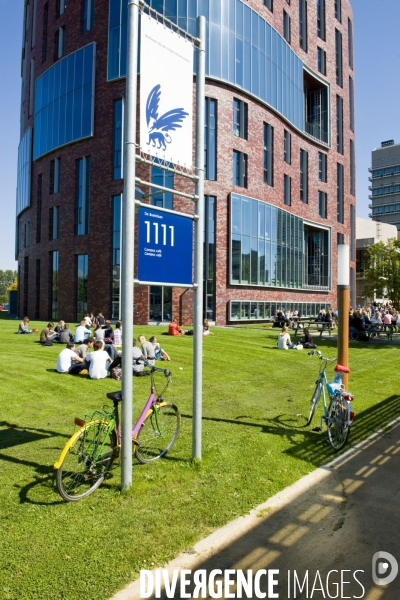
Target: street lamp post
column 343, row 303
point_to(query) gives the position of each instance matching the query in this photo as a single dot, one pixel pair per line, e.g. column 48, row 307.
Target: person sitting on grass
column 59, row 327
column 67, row 358
column 137, row 361
column 48, row 336
column 108, row 333
column 206, row 328
column 284, row 341
column 24, row 327
column 82, row 332
column 174, row 329
column 147, row 349
column 82, row 352
column 308, row 341
column 99, row 332
column 159, row 353
column 99, row 361
column 118, row 334
column 66, row 335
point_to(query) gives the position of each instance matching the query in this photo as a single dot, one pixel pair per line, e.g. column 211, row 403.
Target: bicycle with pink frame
column 88, row 455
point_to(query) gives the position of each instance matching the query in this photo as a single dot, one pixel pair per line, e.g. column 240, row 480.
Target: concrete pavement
column 320, row 533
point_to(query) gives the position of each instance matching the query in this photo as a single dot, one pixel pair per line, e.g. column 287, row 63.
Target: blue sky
column 377, row 65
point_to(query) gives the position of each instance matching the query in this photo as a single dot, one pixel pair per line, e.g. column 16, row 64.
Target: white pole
column 128, row 243
column 198, row 246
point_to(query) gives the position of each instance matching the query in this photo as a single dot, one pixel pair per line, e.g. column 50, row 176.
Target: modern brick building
column 279, row 158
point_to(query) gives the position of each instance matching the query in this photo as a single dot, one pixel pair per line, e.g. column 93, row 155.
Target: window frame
column 287, row 147
column 241, row 159
column 322, row 204
column 287, row 190
column 268, row 154
column 240, row 126
column 286, row 26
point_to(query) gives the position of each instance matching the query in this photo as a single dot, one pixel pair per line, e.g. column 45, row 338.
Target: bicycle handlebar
column 319, row 354
column 167, row 372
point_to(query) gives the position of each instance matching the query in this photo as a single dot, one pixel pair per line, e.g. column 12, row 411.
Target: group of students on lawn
column 76, row 359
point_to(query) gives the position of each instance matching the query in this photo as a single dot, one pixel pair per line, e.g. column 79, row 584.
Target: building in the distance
column 368, row 233
column 279, row 158
column 385, row 183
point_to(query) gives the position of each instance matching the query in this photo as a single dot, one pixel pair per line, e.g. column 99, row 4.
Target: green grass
column 254, row 444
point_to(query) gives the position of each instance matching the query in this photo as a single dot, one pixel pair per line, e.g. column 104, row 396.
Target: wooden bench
column 314, row 326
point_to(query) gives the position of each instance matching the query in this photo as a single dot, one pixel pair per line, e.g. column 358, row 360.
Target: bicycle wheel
column 158, row 432
column 314, row 401
column 87, row 461
column 338, row 422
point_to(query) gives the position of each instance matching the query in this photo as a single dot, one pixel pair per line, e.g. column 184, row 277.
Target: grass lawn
column 254, row 444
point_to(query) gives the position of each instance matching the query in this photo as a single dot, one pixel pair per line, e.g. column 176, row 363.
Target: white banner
column 166, row 93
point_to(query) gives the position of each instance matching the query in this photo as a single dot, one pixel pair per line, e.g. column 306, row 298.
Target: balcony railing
column 316, row 132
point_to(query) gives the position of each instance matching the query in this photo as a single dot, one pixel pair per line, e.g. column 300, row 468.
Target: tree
column 6, row 280
column 382, row 270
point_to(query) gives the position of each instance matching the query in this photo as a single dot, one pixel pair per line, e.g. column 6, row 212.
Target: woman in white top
column 284, row 341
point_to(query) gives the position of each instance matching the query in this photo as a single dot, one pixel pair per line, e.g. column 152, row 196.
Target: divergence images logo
column 169, row 121
column 380, row 566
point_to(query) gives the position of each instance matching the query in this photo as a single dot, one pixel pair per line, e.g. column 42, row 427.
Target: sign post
column 165, row 237
column 128, row 243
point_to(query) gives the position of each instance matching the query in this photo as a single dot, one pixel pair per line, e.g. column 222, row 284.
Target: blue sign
column 165, row 247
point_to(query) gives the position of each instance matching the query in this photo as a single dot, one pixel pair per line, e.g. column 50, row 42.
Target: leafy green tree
column 6, row 279
column 382, row 270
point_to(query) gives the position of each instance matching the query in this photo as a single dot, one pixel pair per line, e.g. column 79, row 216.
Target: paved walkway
column 334, row 519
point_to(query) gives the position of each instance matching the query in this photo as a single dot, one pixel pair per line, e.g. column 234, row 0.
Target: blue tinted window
column 241, row 48
column 65, row 101
column 165, row 179
column 266, row 244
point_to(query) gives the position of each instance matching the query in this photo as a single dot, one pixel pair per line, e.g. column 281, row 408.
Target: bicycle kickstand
column 320, row 426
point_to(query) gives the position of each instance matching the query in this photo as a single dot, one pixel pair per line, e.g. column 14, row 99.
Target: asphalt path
column 316, row 539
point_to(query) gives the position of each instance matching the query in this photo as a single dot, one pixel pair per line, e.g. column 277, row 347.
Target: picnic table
column 313, row 326
column 377, row 330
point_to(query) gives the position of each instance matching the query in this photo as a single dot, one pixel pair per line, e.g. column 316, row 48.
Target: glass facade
column 81, row 285
column 272, row 247
column 116, row 257
column 244, row 310
column 64, row 107
column 266, row 244
column 24, row 172
column 316, row 259
column 241, row 48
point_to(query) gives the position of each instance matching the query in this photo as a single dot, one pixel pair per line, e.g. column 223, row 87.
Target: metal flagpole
column 198, row 247
column 128, row 242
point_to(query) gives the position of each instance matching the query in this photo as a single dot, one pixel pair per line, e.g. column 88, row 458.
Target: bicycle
column 88, row 455
column 338, row 415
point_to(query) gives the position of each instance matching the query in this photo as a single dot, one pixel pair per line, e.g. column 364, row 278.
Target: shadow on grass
column 14, row 435
column 314, row 447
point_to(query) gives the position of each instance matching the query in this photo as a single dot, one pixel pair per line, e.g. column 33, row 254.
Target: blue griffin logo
column 159, row 126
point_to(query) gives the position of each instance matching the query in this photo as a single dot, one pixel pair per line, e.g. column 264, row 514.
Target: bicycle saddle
column 341, row 369
column 115, row 396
